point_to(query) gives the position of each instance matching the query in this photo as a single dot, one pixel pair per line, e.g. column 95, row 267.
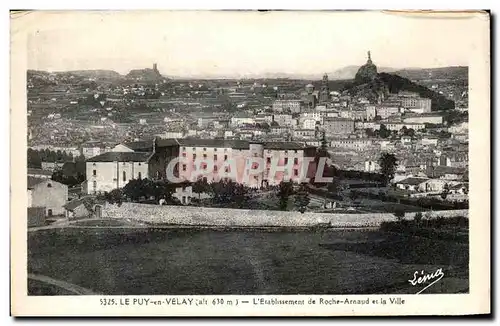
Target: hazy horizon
column 229, row 44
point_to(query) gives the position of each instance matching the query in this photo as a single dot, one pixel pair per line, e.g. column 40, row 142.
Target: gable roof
column 38, row 171
column 412, row 181
column 77, row 202
column 33, row 181
column 121, row 157
column 140, row 146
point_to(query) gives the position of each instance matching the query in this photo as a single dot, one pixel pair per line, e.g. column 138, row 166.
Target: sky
column 229, row 43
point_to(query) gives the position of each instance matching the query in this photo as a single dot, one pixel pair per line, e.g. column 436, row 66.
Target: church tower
column 324, row 94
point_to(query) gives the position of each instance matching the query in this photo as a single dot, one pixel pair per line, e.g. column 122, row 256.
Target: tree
column 399, row 213
column 226, row 192
column 445, row 192
column 115, row 196
column 384, row 132
column 418, row 218
column 334, row 187
column 201, row 185
column 134, row 189
column 302, row 199
column 34, row 160
column 285, row 191
column 388, row 164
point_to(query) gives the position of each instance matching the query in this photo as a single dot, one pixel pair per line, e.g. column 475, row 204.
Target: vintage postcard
column 245, row 163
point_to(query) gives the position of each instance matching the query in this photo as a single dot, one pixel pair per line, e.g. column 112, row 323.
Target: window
column 94, row 173
column 194, row 156
column 295, row 151
column 286, row 152
column 295, row 161
column 139, row 176
column 94, row 185
column 295, row 172
column 124, row 176
column 215, row 168
column 268, row 160
column 184, row 167
column 183, row 148
column 215, row 157
column 226, row 169
column 183, row 154
column 194, row 149
column 93, row 164
column 286, row 160
column 204, row 149
column 49, row 185
column 225, row 157
column 204, row 155
column 215, row 149
column 49, row 212
column 139, row 163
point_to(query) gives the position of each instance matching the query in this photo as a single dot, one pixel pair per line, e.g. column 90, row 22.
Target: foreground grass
column 190, row 261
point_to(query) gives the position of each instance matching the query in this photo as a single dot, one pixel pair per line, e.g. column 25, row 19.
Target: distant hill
column 386, row 84
column 98, row 74
column 435, row 73
column 146, row 74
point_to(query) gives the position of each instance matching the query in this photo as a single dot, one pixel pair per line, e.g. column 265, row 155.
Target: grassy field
column 243, row 262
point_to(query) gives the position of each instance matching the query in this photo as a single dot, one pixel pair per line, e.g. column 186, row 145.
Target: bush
column 418, row 217
column 399, row 213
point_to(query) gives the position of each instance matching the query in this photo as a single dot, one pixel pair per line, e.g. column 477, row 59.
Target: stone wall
column 203, row 216
column 433, row 214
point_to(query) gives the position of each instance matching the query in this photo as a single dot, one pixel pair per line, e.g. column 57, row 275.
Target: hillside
column 448, row 73
column 146, row 74
column 349, row 72
column 97, row 74
column 389, row 83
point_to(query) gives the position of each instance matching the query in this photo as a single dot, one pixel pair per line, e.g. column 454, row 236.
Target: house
column 185, row 194
column 51, row 166
column 448, row 172
column 334, row 126
column 113, row 170
column 47, row 193
column 429, row 141
column 304, row 133
column 421, row 184
column 406, row 140
column 79, row 208
column 410, row 184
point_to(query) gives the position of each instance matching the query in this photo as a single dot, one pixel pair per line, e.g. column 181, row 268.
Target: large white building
column 212, row 159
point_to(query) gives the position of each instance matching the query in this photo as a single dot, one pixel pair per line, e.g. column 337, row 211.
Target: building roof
column 121, row 157
column 140, row 146
column 39, row 172
column 228, row 143
column 77, row 202
column 442, row 170
column 412, row 181
column 33, row 181
column 219, row 143
column 285, row 145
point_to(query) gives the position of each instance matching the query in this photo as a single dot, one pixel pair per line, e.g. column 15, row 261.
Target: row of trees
column 383, row 132
column 36, row 157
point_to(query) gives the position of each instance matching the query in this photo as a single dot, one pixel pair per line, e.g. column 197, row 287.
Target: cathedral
column 324, row 93
column 367, row 72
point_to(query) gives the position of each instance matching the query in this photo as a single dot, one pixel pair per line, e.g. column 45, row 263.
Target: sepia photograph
column 263, row 154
